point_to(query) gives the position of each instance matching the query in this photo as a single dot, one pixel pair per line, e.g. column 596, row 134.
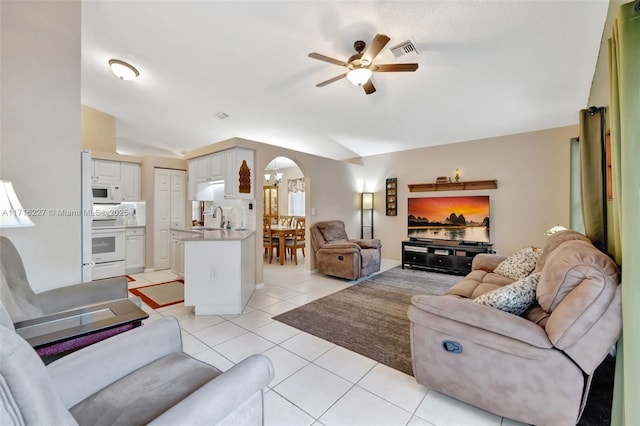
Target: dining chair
column 285, row 220
column 297, row 240
column 269, row 242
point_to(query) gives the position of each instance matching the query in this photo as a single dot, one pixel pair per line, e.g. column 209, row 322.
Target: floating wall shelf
column 453, row 186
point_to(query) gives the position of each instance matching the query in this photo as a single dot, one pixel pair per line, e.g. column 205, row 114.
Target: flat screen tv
column 449, row 218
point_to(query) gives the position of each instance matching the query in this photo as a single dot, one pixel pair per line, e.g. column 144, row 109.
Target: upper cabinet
column 210, row 167
column 193, row 179
column 233, row 166
column 106, row 171
column 130, row 182
column 125, row 174
column 239, row 174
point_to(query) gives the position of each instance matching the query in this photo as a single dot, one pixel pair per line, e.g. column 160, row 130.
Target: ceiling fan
column 361, row 65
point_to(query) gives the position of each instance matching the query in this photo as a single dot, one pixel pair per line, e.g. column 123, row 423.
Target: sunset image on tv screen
column 455, row 218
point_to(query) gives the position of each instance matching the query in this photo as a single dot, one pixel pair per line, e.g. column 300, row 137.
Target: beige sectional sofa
column 535, row 367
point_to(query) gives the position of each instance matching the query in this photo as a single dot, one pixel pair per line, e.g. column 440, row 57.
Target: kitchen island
column 219, row 269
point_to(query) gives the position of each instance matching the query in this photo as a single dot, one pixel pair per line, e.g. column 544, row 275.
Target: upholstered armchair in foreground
column 339, row 256
column 135, row 378
column 22, row 303
column 535, row 367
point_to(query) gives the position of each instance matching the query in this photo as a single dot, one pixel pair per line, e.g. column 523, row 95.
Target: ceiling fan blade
column 368, row 87
column 395, row 67
column 324, row 58
column 331, row 80
column 378, row 43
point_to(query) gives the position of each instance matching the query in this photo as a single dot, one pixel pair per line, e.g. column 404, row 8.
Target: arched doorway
column 284, row 196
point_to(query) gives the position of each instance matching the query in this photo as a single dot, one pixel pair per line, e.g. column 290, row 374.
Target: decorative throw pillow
column 519, row 264
column 514, row 298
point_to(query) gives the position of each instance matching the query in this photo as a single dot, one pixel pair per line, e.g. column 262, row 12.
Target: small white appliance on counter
column 136, row 212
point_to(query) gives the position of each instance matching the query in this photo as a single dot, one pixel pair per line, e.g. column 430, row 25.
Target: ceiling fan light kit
column 359, row 76
column 361, row 66
column 123, row 70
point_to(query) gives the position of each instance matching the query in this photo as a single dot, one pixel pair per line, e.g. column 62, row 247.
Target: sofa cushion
column 172, row 378
column 514, row 298
column 519, row 264
column 536, row 314
column 478, row 282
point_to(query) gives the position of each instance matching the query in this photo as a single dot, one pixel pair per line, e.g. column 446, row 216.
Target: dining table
column 282, row 232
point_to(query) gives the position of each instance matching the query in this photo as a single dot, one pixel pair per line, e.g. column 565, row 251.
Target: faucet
column 221, row 216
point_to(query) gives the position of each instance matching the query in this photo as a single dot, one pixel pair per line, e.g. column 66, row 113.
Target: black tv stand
column 453, row 257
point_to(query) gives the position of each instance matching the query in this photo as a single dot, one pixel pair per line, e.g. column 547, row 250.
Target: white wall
column 40, row 136
column 532, row 170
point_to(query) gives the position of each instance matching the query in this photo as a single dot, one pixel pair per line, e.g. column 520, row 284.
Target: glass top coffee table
column 56, row 335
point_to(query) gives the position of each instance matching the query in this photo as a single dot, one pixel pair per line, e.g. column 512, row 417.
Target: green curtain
column 591, row 178
column 624, row 117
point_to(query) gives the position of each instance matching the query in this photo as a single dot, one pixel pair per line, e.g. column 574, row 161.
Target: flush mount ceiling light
column 123, row 70
column 359, row 76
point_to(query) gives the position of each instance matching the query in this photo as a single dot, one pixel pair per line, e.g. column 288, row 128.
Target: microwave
column 106, row 193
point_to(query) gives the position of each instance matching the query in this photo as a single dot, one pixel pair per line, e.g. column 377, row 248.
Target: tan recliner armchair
column 534, row 368
column 339, row 256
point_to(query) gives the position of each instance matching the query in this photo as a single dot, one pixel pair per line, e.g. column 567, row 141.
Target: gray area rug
column 370, row 317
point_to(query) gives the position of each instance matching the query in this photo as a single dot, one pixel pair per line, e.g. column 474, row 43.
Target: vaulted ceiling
column 486, row 68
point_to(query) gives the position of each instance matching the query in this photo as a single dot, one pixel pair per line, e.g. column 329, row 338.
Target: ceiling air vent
column 404, row 48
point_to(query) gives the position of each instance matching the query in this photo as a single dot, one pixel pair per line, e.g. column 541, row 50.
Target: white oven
column 107, row 245
column 108, row 252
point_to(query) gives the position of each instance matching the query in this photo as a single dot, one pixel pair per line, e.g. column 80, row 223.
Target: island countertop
column 204, row 234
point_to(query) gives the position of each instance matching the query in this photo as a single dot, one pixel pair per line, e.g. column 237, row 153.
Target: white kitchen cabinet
column 177, row 253
column 216, row 164
column 219, row 274
column 202, row 169
column 106, row 171
column 210, row 167
column 192, row 177
column 130, row 181
column 239, row 174
column 134, row 250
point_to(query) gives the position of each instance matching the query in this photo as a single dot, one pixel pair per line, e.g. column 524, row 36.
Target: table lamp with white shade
column 555, row 229
column 12, row 215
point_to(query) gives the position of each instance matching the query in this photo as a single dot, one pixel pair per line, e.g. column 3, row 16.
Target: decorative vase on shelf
column 457, row 177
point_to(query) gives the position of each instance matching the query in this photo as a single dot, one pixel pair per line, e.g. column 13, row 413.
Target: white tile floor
column 316, row 382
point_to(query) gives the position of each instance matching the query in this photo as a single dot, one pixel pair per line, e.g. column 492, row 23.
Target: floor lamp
column 366, row 215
